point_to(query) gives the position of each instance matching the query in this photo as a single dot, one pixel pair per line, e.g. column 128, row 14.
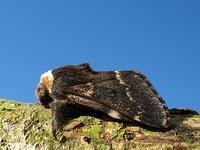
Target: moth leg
column 61, row 113
column 58, row 114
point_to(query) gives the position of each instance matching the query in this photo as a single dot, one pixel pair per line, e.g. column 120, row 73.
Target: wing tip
column 159, row 119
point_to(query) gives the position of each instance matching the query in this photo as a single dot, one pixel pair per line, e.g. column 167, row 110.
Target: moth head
column 43, row 89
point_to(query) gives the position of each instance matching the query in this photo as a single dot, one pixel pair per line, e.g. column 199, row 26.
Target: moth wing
column 123, row 94
column 151, row 108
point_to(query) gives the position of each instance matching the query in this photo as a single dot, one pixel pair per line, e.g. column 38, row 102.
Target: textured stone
column 28, row 126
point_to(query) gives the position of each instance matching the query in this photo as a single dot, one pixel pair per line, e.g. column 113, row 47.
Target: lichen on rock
column 28, row 126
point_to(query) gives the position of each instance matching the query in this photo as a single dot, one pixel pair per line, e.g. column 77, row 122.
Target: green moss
column 94, row 130
column 151, row 146
column 151, row 133
column 195, row 146
column 114, row 130
column 102, row 147
column 196, row 116
column 31, row 124
column 118, row 134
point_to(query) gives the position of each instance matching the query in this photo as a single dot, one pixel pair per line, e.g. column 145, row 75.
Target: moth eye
column 38, row 89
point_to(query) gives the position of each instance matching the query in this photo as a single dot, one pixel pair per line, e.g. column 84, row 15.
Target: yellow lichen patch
column 194, row 122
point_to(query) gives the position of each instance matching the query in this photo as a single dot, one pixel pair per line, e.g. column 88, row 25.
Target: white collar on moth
column 47, row 80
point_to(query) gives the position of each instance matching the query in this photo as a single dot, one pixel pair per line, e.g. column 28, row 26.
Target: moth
column 123, row 95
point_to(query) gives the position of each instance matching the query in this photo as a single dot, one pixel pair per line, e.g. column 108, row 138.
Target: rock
column 183, row 111
column 28, row 126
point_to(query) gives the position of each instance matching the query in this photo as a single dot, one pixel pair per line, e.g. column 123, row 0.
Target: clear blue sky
column 159, row 38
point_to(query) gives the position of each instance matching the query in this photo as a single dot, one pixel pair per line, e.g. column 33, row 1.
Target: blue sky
column 159, row 38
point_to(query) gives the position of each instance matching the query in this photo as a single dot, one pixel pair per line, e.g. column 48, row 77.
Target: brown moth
column 123, row 95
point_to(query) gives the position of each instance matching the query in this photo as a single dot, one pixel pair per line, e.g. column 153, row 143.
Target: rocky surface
column 28, row 126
